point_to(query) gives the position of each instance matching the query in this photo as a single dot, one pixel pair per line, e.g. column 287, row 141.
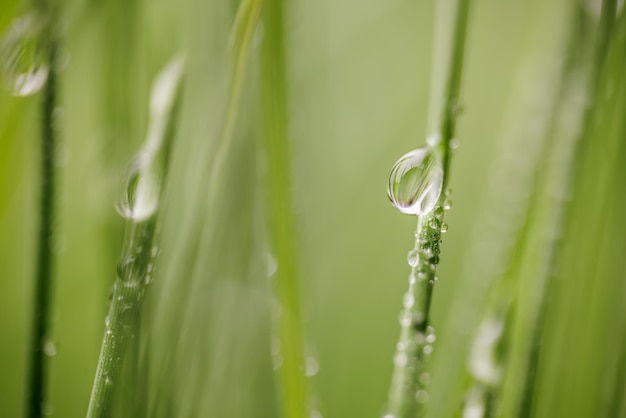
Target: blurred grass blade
column 278, row 196
column 140, row 207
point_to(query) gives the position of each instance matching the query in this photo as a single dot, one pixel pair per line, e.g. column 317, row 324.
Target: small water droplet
column 447, row 205
column 428, row 349
column 312, row 366
column 438, row 212
column 433, row 140
column 154, row 251
column 126, row 271
column 408, row 300
column 454, row 143
column 405, row 318
column 107, row 380
column 444, row 227
column 127, row 315
column 422, row 396
column 23, row 56
column 431, row 338
column 47, row 409
column 416, row 181
column 141, row 196
column 400, row 346
column 271, row 265
column 412, row 279
column 49, row 348
column 413, row 258
column 400, row 359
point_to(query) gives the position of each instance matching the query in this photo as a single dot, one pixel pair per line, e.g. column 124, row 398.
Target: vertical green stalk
column 607, row 22
column 140, row 207
column 36, row 380
column 279, row 211
column 416, row 336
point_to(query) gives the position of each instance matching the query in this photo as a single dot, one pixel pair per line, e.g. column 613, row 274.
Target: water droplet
column 454, row 143
column 415, row 181
column 140, row 199
column 412, row 279
column 413, row 258
column 311, row 366
column 438, row 212
column 107, row 380
column 422, row 396
column 483, row 364
column 444, row 227
column 447, row 205
column 271, row 265
column 48, row 409
column 49, row 348
column 154, row 251
column 400, row 359
column 433, row 140
column 23, row 56
column 474, row 406
column 127, row 315
column 428, row 349
column 431, row 338
column 405, row 318
column 408, row 300
column 126, row 271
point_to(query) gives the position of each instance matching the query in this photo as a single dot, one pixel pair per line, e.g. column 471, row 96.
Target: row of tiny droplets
column 423, row 259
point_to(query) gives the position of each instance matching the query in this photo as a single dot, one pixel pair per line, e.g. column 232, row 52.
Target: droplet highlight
column 23, row 57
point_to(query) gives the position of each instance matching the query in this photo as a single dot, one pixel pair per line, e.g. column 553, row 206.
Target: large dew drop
column 416, row 181
column 23, row 58
column 141, row 197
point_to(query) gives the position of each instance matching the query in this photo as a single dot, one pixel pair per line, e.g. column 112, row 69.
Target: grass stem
column 407, row 390
column 279, row 206
column 140, row 206
column 44, row 285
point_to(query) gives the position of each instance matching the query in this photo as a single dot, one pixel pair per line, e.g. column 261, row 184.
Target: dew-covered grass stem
column 43, row 287
column 410, row 379
column 140, row 207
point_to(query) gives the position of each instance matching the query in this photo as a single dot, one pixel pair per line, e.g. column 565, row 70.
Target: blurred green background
column 359, row 74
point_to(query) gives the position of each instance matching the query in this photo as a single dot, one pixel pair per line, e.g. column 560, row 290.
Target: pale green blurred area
column 359, row 76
